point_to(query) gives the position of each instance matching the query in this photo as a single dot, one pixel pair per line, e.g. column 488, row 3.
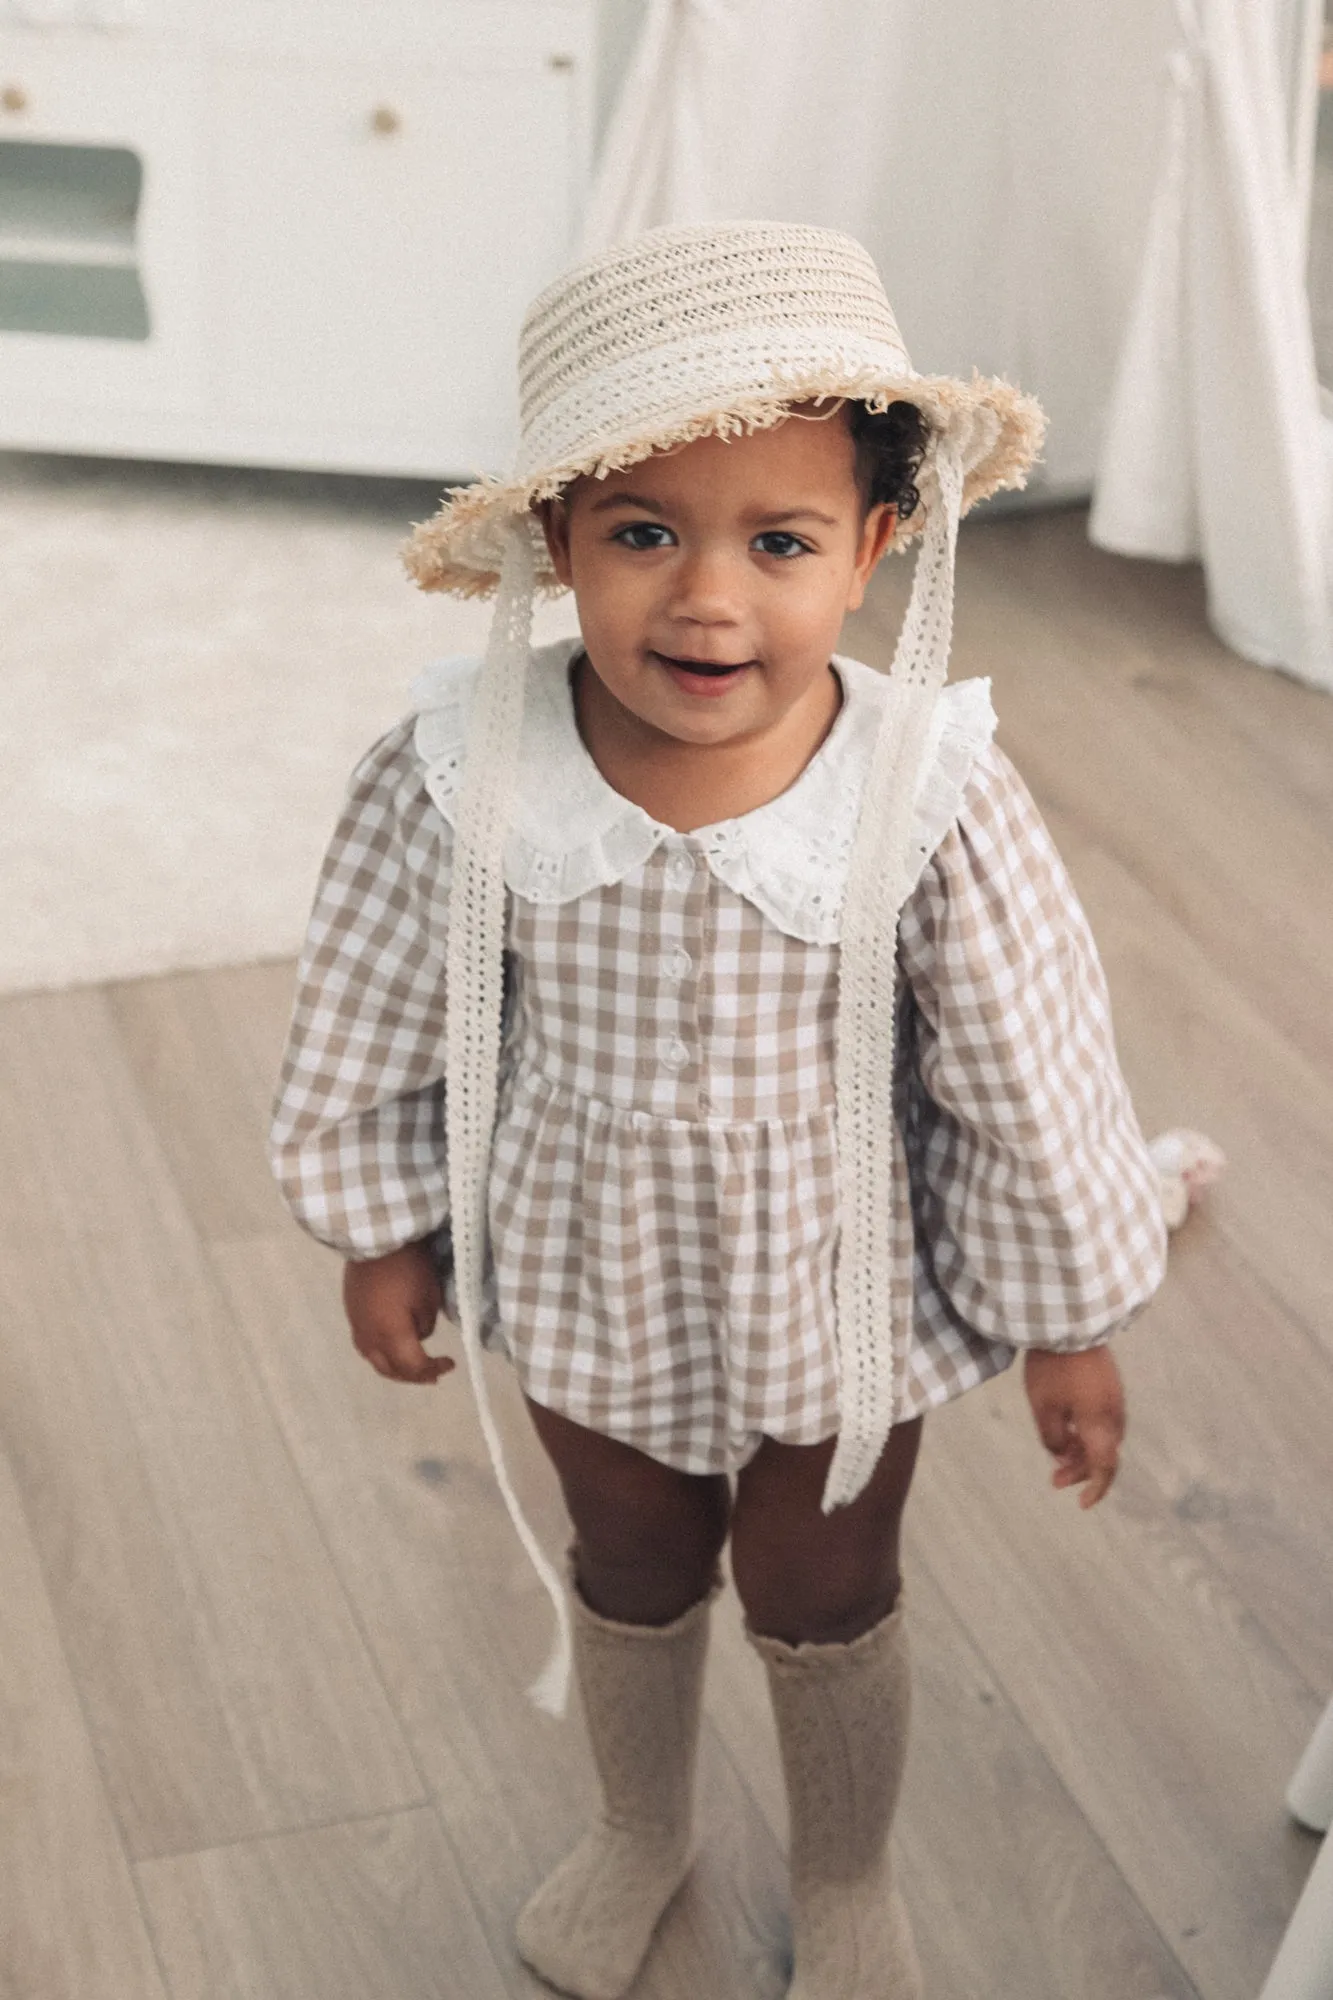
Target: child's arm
column 358, row 1135
column 1038, row 1206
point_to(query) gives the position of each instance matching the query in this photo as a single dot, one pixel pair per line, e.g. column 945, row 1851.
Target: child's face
column 712, row 581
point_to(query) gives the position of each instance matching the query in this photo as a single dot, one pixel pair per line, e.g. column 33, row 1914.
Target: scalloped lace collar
column 572, row 832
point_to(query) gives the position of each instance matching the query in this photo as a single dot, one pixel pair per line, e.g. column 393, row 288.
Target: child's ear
column 876, row 533
column 554, row 517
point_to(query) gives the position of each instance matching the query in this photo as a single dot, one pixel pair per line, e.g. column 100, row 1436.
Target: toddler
column 707, row 1022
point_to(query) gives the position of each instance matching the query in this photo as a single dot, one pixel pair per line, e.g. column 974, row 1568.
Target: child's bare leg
column 647, row 1538
column 823, row 1591
column 804, row 1575
column 646, row 1546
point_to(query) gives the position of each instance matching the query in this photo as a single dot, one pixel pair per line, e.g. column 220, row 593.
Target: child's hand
column 1079, row 1404
column 392, row 1304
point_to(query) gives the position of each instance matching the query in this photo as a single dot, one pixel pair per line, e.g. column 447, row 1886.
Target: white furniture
column 1303, row 1968
column 282, row 232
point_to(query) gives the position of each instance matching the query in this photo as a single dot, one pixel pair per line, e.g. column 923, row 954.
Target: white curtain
column 1216, row 446
column 997, row 162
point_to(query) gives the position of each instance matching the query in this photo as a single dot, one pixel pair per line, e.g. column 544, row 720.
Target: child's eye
column 790, row 545
column 644, row 535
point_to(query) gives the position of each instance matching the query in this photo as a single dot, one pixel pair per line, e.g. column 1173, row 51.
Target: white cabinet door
column 75, row 110
column 378, row 229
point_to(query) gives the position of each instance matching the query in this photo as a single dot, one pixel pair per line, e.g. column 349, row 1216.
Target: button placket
column 686, row 876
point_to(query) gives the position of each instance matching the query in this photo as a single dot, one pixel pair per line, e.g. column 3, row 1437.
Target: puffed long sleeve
column 357, row 1142
column 1036, row 1206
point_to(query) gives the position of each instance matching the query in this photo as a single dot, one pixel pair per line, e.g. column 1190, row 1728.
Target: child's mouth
column 705, row 677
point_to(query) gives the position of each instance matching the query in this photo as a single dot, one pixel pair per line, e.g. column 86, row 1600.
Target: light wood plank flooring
column 266, row 1629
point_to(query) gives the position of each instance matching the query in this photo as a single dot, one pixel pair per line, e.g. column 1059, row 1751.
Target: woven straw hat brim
column 460, row 548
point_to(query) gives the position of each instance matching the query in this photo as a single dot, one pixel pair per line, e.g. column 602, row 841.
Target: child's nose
column 708, row 587
column 709, row 583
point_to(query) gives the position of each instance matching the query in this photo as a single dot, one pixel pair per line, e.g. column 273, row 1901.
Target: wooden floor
column 265, row 1627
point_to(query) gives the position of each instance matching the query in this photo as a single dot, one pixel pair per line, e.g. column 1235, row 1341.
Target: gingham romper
column 663, row 1214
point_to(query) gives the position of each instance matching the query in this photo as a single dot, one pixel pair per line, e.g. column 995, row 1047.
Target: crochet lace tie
column 474, row 986
column 872, row 1346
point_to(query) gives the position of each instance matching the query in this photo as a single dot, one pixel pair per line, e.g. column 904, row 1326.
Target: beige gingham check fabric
column 663, row 1198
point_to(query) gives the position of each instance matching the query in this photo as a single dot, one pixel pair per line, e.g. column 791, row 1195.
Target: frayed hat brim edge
column 457, row 551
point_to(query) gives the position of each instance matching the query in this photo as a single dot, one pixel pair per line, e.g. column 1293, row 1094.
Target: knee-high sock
column 589, row 1926
column 842, row 1716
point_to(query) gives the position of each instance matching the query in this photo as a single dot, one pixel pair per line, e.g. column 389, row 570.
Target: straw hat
column 683, row 333
column 706, row 330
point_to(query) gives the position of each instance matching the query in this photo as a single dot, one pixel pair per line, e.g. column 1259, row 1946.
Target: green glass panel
column 104, row 301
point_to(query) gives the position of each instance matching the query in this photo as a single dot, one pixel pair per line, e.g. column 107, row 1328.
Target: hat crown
column 691, row 318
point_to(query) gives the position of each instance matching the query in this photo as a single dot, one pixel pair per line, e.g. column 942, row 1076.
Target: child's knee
column 648, row 1550
column 810, row 1577
column 824, row 1602
column 647, row 1524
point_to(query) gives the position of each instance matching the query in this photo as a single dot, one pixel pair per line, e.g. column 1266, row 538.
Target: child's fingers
column 396, row 1353
column 1091, row 1459
column 1054, row 1427
column 1099, row 1485
column 1101, row 1437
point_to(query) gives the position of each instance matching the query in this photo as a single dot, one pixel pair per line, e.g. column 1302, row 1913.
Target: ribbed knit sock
column 842, row 1715
column 588, row 1928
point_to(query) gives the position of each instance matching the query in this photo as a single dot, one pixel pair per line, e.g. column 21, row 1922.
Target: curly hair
column 890, row 445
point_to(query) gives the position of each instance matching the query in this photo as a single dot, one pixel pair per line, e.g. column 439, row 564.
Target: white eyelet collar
column 572, row 832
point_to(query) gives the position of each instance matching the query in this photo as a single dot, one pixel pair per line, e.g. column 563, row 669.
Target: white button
column 674, row 1052
column 680, row 965
column 680, row 870
column 705, row 1102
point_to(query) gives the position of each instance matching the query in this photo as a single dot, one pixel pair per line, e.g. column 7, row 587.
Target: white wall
column 997, row 163
column 618, row 24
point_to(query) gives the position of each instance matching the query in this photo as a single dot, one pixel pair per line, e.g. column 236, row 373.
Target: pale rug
column 193, row 660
